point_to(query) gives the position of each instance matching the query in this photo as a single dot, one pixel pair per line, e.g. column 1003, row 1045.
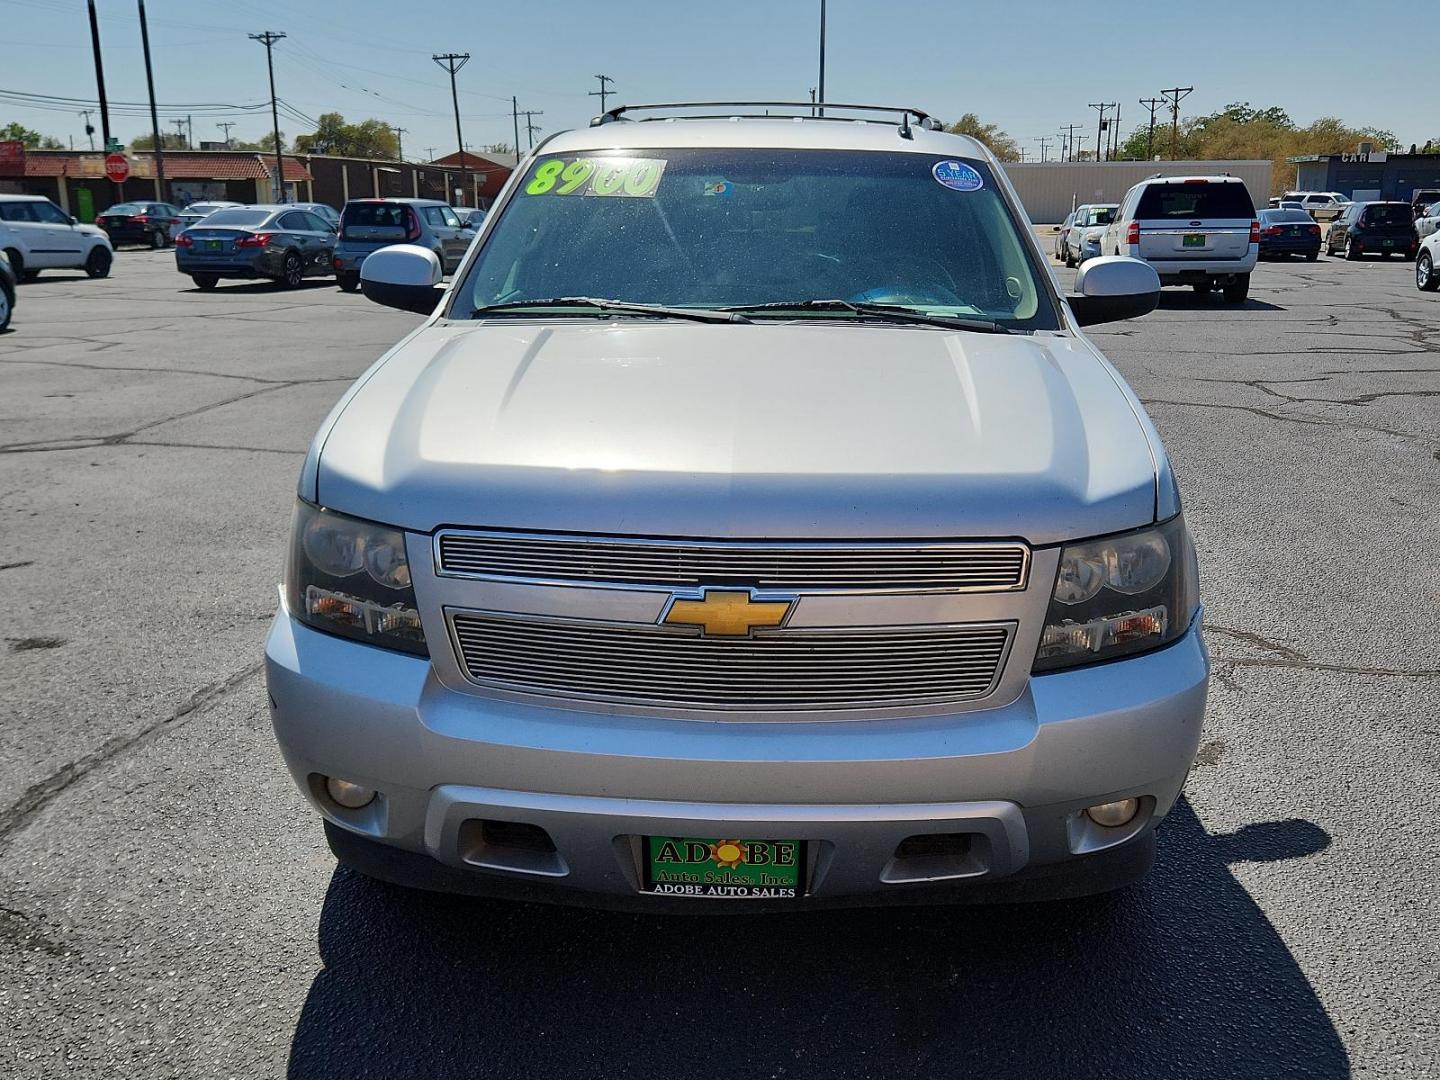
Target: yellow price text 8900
column 626, row 177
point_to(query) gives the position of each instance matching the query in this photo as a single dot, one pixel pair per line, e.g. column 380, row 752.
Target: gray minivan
column 367, row 225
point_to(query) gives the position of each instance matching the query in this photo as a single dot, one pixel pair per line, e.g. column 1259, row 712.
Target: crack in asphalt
column 81, row 442
column 1315, row 421
column 178, row 371
column 1285, row 657
column 42, row 793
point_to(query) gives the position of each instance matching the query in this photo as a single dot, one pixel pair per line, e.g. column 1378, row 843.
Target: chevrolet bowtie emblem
column 726, row 613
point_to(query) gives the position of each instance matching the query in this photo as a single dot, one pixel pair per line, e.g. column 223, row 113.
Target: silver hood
column 765, row 430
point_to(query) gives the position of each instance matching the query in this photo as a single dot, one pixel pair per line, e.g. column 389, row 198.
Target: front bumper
column 1014, row 780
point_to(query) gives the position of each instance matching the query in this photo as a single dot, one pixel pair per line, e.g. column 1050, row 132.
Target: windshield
column 237, row 217
column 1100, row 215
column 723, row 227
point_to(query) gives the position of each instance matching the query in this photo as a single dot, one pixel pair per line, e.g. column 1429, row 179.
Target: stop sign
column 116, row 167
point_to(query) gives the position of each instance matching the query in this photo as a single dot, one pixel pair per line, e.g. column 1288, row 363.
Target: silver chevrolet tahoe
column 749, row 523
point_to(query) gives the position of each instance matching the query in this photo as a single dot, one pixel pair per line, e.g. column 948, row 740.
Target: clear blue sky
column 999, row 59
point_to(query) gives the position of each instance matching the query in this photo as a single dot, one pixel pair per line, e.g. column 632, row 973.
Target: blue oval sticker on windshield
column 957, row 176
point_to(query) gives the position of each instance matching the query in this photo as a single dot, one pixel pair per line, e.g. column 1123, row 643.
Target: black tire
column 7, row 305
column 1311, row 256
column 98, row 262
column 348, row 282
column 205, row 281
column 1069, row 259
column 157, row 240
column 17, row 263
column 1426, row 277
column 1350, row 253
column 1238, row 290
column 292, row 271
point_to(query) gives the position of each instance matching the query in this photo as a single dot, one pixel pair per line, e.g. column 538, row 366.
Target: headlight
column 1120, row 595
column 351, row 577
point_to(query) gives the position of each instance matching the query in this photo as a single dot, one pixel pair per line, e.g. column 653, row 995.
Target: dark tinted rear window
column 1281, row 217
column 237, row 217
column 1388, row 214
column 125, row 208
column 1207, row 200
column 380, row 215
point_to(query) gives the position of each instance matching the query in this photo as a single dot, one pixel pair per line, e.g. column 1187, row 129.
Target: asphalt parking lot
column 168, row 907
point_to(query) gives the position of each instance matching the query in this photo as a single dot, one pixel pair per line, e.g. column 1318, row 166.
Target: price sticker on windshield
column 614, row 177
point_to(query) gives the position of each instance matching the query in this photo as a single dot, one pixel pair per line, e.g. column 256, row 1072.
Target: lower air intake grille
column 774, row 670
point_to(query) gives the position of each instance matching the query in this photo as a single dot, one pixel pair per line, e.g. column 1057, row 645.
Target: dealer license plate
column 212, row 245
column 1194, row 239
column 723, row 869
column 1387, row 243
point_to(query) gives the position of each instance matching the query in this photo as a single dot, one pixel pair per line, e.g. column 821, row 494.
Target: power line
column 268, row 39
column 602, row 93
column 453, row 62
column 1174, row 96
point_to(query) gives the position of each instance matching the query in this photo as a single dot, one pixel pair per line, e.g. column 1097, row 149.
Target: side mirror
column 1113, row 287
column 403, row 276
column 74, row 220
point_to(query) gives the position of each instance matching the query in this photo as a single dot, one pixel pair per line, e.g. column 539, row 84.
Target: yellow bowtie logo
column 726, row 613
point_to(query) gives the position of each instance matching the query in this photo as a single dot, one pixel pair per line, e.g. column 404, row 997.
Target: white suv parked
column 1194, row 230
column 37, row 235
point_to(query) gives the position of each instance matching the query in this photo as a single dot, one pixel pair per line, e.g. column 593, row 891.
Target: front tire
column 1426, row 279
column 157, row 240
column 5, row 308
column 1238, row 290
column 292, row 272
column 97, row 263
column 205, row 281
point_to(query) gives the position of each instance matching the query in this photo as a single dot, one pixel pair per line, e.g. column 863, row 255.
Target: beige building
column 1051, row 190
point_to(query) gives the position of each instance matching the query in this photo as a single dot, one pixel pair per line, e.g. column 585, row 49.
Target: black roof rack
column 816, row 111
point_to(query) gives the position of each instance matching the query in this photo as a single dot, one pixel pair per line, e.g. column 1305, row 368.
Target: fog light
column 1114, row 814
column 354, row 796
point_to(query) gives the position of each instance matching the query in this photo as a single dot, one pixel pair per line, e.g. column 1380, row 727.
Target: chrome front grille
column 782, row 669
column 793, row 566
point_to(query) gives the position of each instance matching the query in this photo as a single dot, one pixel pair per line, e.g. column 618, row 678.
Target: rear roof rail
column 759, row 110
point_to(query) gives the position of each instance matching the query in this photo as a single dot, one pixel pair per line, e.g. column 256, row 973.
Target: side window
column 314, row 223
column 433, row 215
column 49, row 213
column 16, row 211
column 451, row 218
column 293, row 222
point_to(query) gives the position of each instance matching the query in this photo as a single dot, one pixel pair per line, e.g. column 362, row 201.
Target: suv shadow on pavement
column 1180, row 976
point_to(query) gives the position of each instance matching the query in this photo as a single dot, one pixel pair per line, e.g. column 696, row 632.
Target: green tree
column 1001, row 144
column 167, row 142
column 367, row 139
column 33, row 140
column 265, row 143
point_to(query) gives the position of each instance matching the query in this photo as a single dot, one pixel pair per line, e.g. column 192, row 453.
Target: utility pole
column 179, row 123
column 268, row 39
column 812, row 101
column 1044, row 142
column 100, row 88
column 89, row 127
column 1153, row 104
column 1078, row 146
column 226, row 125
column 602, row 93
column 1174, row 96
column 1115, row 132
column 430, row 153
column 821, row 111
column 453, row 62
column 530, row 126
column 1100, row 126
column 1069, row 130
column 399, row 145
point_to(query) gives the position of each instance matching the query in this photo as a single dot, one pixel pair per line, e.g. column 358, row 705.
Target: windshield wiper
column 890, row 312
column 618, row 307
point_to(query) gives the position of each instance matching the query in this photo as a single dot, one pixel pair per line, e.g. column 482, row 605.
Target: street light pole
column 453, row 62
column 268, row 39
